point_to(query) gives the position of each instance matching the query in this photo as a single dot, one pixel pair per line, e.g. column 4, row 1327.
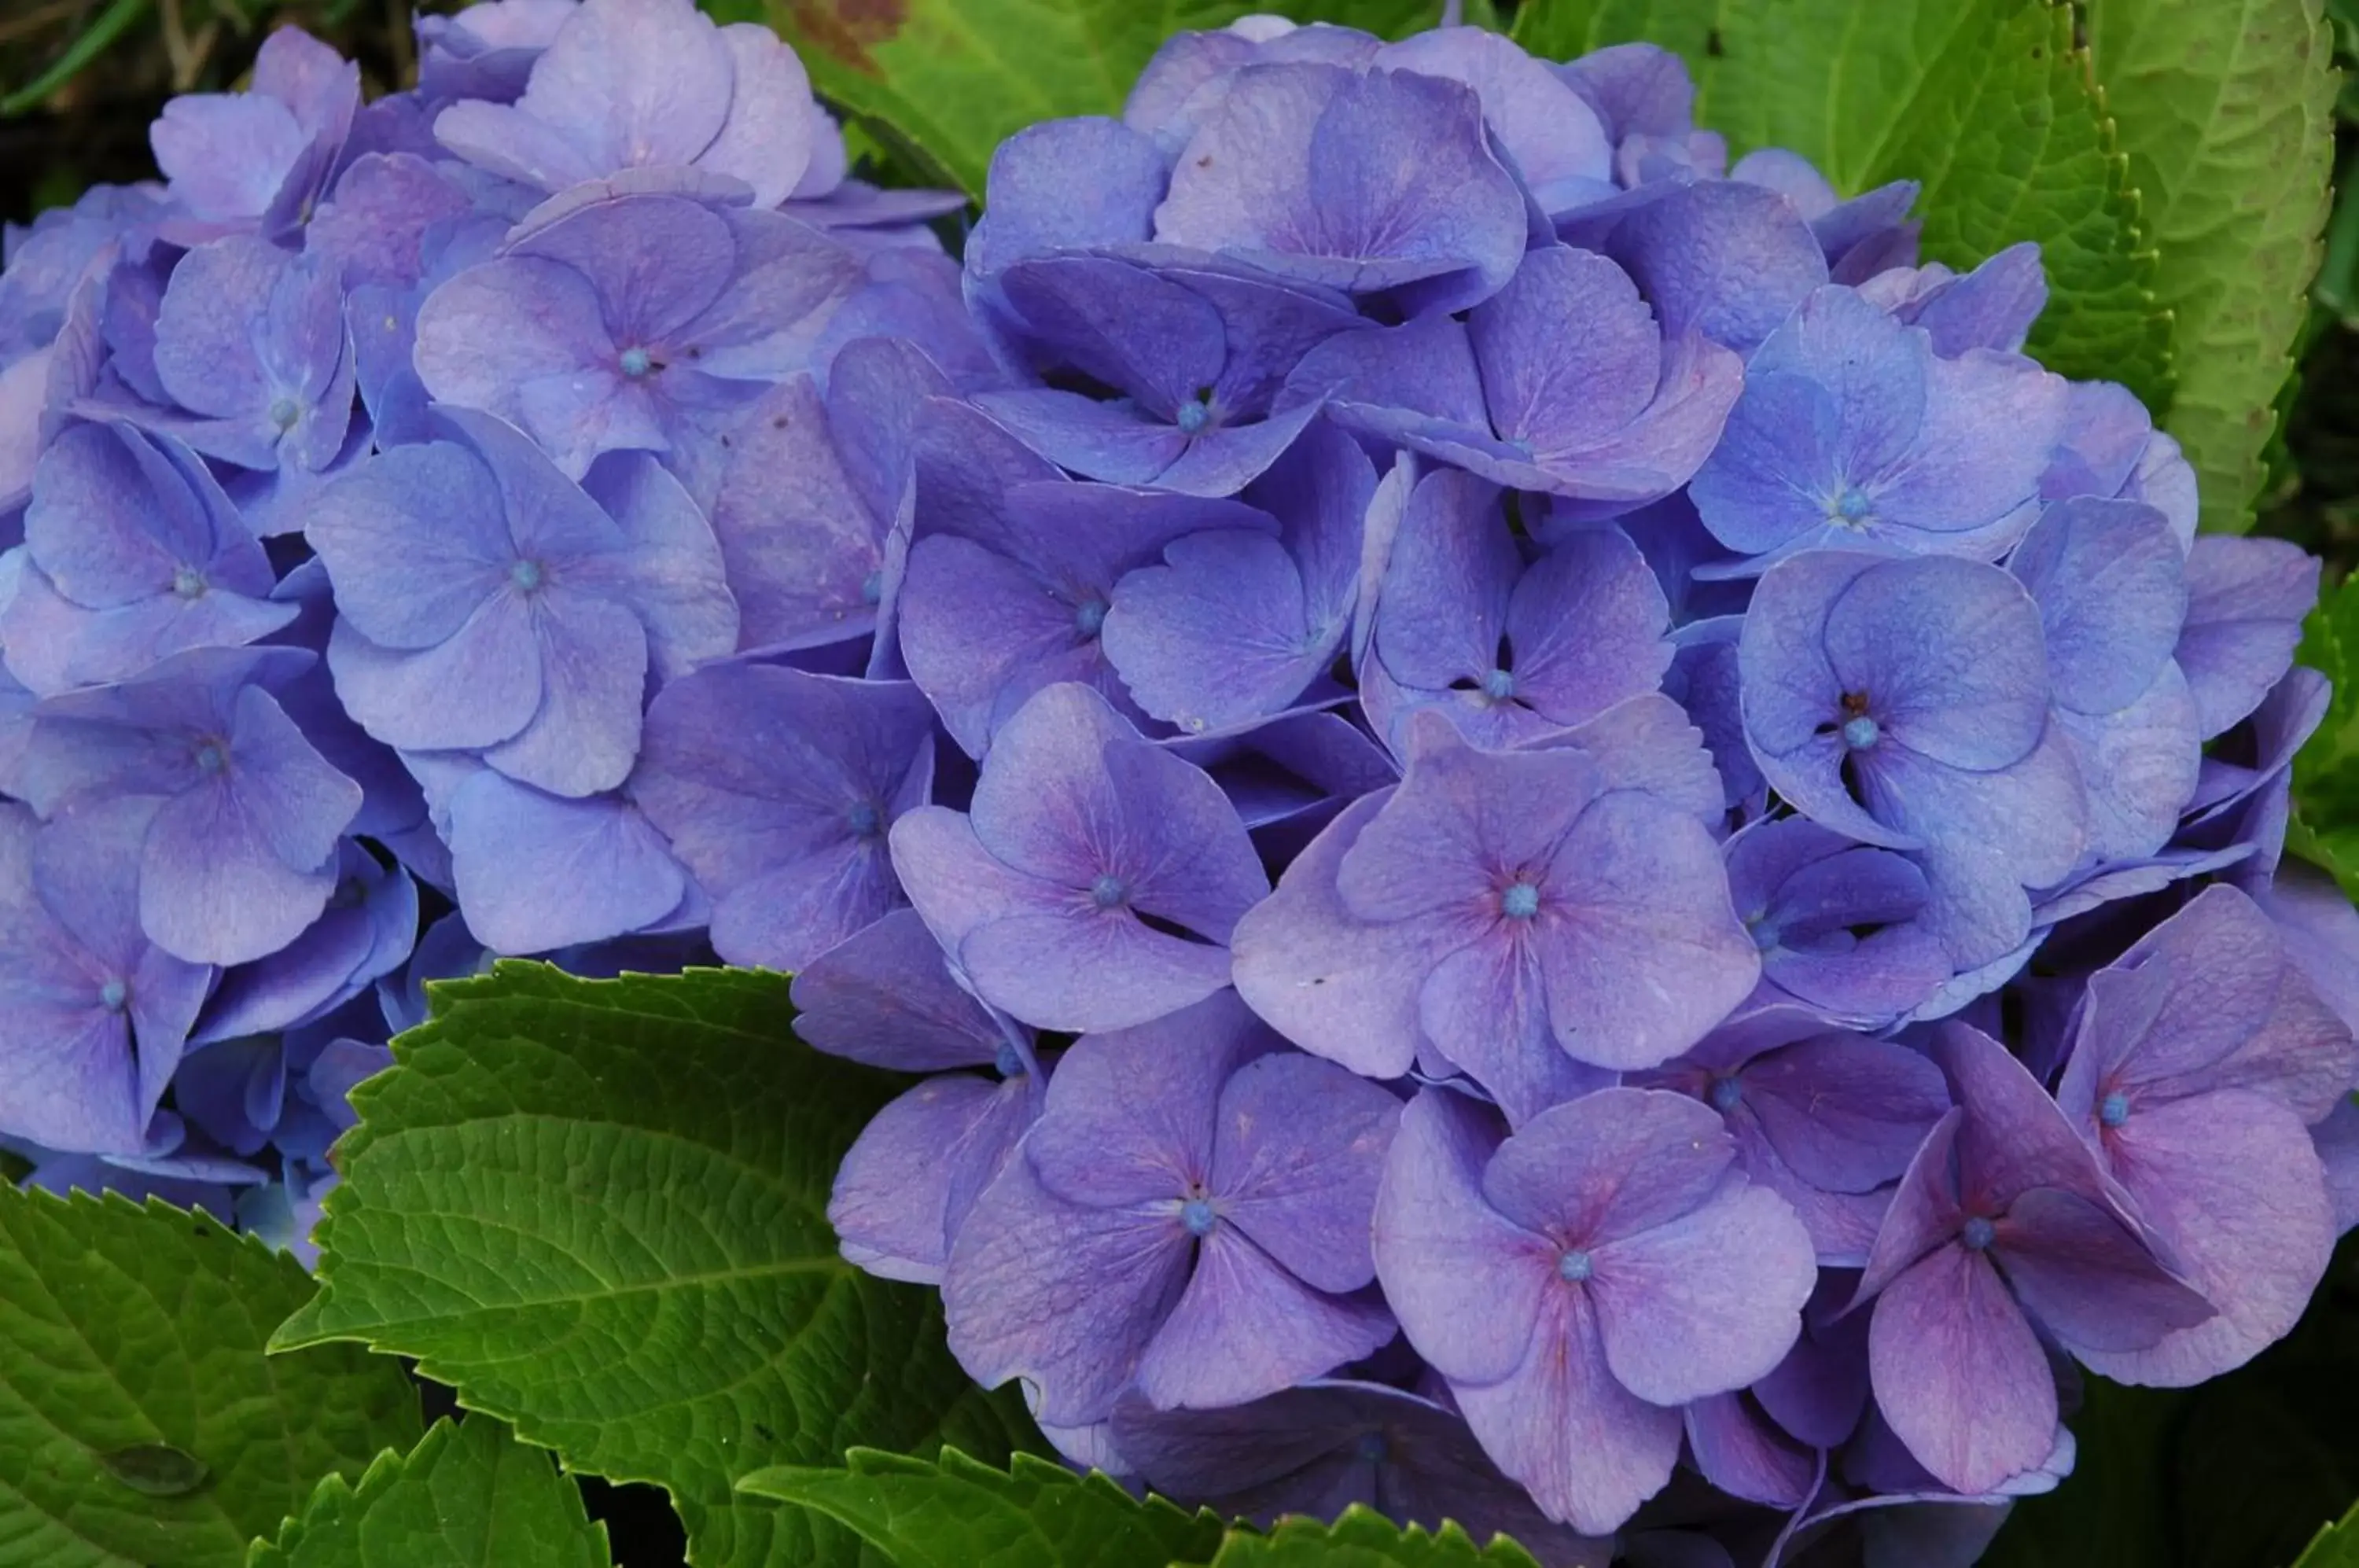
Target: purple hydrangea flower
column 2004, row 1221
column 776, row 788
column 1512, row 652
column 2201, row 1056
column 629, row 84
column 132, row 553
column 1992, row 307
column 1327, row 1445
column 487, row 51
column 366, row 932
column 887, row 996
column 2110, row 581
column 1192, row 72
column 1374, row 182
column 621, row 317
column 96, row 1011
column 1905, row 703
column 486, row 603
column 818, row 499
column 1729, row 260
column 1190, row 1214
column 250, row 341
column 1544, row 129
column 1867, row 237
column 1081, row 834
column 240, row 854
column 1010, row 596
column 1835, row 921
column 257, row 160
column 1826, row 1120
column 2246, row 602
column 2110, row 449
column 1530, row 921
column 1645, row 102
column 1578, row 1281
column 1232, row 626
column 1561, row 383
column 1851, row 429
column 1194, row 358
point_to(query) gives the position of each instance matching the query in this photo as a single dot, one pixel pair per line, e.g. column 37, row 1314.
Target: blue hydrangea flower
column 2200, row 1058
column 1376, row 182
column 1194, row 358
column 255, row 161
column 132, row 553
column 627, row 84
column 2002, row 1221
column 1851, row 429
column 1079, row 833
column 1511, row 650
column 1835, row 921
column 240, row 853
column 1905, row 703
column 565, row 335
column 486, row 603
column 1331, row 1444
column 887, row 996
column 1577, row 1282
column 1528, row 919
column 1190, row 1214
column 778, row 789
column 1559, row 383
column 487, row 51
column 366, row 932
column 96, row 1011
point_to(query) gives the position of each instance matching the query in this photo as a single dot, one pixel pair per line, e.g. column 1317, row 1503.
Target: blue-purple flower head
column 1529, row 808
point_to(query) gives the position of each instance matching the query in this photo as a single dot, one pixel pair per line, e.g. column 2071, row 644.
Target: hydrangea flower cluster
column 1556, row 845
column 365, row 480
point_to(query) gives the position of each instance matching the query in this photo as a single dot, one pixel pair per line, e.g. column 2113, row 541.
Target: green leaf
column 2335, row 1545
column 959, row 1513
column 1363, row 1539
column 946, row 81
column 598, row 1209
column 2326, row 773
column 140, row 1422
column 2226, row 109
column 1559, row 30
column 466, row 1496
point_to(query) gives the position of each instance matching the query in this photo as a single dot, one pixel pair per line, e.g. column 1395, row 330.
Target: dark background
column 2237, row 1474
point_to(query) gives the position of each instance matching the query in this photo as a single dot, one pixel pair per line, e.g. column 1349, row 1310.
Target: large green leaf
column 1986, row 102
column 1362, row 1539
column 2326, row 774
column 953, row 1512
column 958, row 1513
column 2336, row 1546
column 949, row 80
column 467, row 1497
column 2226, row 110
column 598, row 1210
column 140, row 1422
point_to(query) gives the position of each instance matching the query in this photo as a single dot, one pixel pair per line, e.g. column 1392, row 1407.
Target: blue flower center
column 211, row 757
column 635, row 362
column 1766, row 934
column 1520, row 902
column 1089, row 615
column 865, row 819
column 1574, row 1266
column 1372, row 1448
column 114, row 996
column 1725, row 1095
column 871, row 588
column 1197, row 1214
column 1851, row 506
column 1193, row 416
column 1860, row 732
column 1978, row 1234
column 283, row 412
column 1107, row 892
column 188, row 583
column 526, row 575
column 1009, row 1062
column 2115, row 1110
column 1498, row 685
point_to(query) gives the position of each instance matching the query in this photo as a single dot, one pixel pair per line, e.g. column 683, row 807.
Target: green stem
column 110, row 26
